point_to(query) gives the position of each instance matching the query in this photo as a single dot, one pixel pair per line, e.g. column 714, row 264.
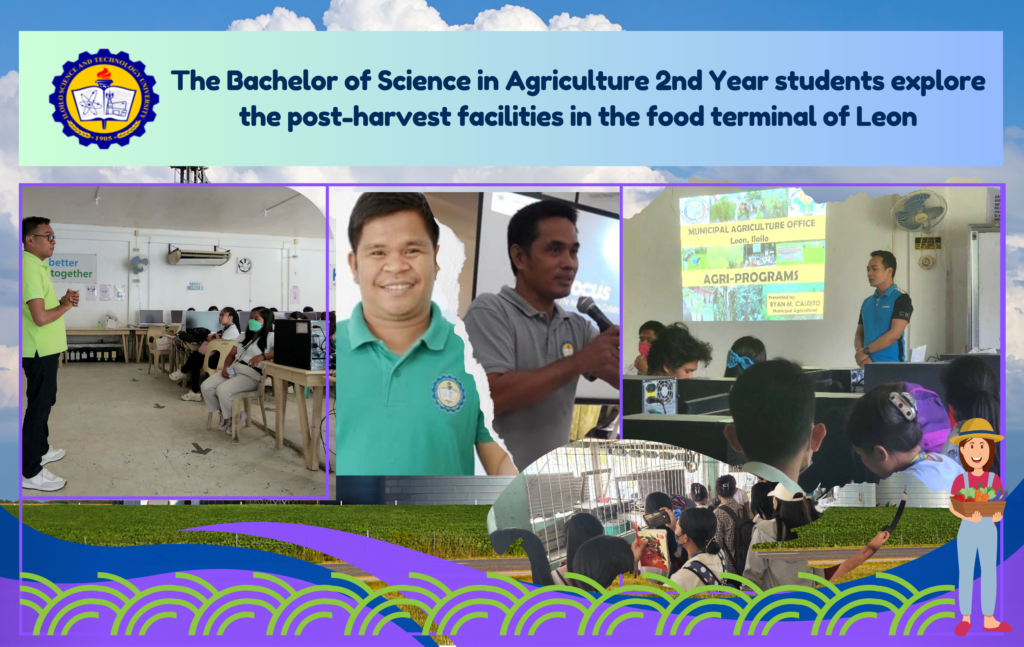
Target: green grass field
column 458, row 532
column 854, row 527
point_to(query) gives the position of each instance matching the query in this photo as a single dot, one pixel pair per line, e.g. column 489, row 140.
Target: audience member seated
column 648, row 333
column 885, row 434
column 193, row 366
column 677, row 353
column 745, row 352
column 772, row 407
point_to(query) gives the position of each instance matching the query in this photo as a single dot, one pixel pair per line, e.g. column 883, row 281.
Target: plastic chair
column 244, row 399
column 153, row 334
column 223, row 346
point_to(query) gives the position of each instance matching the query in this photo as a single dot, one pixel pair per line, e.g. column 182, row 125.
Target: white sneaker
column 176, row 376
column 192, row 397
column 225, row 424
column 44, row 480
column 52, row 455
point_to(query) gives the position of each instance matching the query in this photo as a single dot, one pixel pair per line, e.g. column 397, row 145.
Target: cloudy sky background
column 442, row 15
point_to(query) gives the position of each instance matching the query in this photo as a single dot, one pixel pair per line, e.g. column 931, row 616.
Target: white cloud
column 508, row 18
column 565, row 22
column 392, row 15
column 417, row 15
column 10, row 371
column 280, row 20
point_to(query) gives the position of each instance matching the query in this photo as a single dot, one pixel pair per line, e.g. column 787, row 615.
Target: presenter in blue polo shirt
column 406, row 406
column 884, row 315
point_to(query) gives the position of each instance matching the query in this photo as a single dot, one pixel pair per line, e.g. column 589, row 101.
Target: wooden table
column 283, row 377
column 123, row 333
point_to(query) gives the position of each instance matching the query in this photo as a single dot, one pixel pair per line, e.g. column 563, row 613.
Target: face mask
column 255, row 325
column 644, row 348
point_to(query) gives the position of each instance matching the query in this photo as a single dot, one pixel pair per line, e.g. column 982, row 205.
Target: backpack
column 194, row 335
column 703, row 573
column 743, row 530
column 931, row 417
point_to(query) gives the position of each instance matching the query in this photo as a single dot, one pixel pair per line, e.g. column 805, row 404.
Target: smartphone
column 656, row 519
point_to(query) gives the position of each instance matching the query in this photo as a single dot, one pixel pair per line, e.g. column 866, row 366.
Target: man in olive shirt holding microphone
column 43, row 340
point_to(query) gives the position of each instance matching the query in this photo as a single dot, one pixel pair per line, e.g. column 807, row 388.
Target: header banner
column 510, row 99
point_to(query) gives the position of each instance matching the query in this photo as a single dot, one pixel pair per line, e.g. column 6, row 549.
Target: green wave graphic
column 523, row 610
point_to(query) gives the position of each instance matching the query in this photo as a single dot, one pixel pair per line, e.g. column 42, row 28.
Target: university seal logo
column 104, row 99
column 449, row 394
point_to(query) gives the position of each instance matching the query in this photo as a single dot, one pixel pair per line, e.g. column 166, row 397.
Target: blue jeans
column 977, row 539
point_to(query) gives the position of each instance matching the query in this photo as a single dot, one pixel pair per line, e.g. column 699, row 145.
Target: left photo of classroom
column 165, row 329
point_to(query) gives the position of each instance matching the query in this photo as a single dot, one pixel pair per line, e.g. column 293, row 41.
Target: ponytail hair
column 700, row 525
column 725, row 486
column 698, row 492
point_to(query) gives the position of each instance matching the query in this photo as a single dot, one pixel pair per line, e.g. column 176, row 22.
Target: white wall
column 652, row 283
column 163, row 286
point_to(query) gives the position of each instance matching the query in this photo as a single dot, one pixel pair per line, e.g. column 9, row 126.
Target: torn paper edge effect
column 449, row 285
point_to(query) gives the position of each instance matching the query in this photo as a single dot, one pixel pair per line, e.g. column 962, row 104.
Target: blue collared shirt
column 876, row 315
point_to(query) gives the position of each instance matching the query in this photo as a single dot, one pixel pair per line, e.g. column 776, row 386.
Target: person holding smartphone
column 44, row 339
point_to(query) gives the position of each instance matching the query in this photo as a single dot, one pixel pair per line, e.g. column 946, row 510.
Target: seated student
column 661, row 502
column 603, row 559
column 410, row 408
column 243, row 367
column 677, row 353
column 972, row 391
column 297, row 315
column 191, row 310
column 193, row 366
column 745, row 352
column 648, row 333
column 308, row 309
column 579, row 529
column 772, row 407
column 699, row 494
column 729, row 513
column 696, row 532
column 883, row 429
column 213, row 309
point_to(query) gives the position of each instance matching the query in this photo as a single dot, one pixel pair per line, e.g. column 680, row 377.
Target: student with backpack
column 734, row 525
column 791, row 510
column 696, row 534
column 883, row 428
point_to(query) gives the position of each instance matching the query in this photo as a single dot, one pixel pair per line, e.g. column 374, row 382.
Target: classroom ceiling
column 185, row 207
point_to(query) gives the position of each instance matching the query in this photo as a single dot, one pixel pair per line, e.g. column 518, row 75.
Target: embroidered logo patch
column 449, row 394
column 568, row 349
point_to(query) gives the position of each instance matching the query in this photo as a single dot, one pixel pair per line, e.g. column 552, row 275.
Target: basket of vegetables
column 986, row 500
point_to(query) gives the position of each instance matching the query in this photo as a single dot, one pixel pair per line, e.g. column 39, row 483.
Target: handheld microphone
column 587, row 306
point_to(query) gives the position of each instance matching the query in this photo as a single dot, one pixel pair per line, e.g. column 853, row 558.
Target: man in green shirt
column 43, row 340
column 406, row 406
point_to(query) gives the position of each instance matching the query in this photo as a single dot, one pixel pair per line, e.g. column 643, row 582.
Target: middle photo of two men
column 477, row 332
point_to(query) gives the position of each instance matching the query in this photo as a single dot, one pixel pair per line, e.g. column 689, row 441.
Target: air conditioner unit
column 195, row 257
column 993, row 206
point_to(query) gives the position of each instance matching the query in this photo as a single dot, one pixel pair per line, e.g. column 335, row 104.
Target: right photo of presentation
column 819, row 335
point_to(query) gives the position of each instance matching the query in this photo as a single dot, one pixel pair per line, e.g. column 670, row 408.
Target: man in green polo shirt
column 43, row 340
column 406, row 405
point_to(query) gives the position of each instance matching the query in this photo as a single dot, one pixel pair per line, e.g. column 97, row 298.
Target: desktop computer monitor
column 176, row 316
column 243, row 321
column 208, row 320
column 151, row 317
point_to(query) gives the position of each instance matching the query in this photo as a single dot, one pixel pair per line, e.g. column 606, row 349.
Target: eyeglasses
column 49, row 237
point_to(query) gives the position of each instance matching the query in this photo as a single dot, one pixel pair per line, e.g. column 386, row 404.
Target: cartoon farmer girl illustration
column 974, row 499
